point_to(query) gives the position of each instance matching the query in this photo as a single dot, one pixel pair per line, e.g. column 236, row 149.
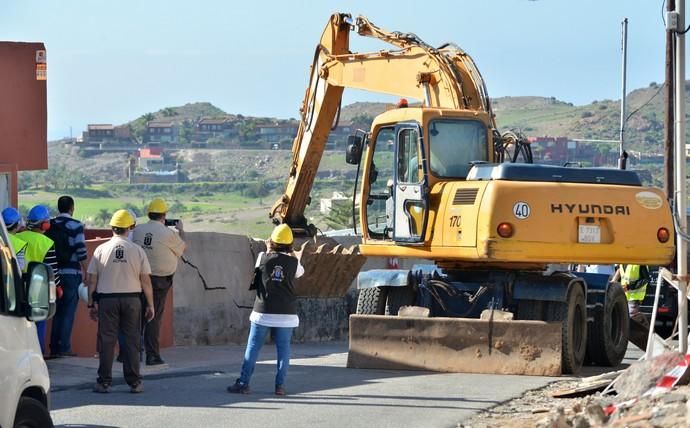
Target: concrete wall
column 212, row 317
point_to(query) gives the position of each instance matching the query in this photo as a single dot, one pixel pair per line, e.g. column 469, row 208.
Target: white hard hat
column 83, row 292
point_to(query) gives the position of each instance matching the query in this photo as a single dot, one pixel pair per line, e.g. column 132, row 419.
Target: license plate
column 588, row 234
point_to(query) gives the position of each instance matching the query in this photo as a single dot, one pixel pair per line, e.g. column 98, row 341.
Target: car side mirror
column 40, row 285
column 353, row 153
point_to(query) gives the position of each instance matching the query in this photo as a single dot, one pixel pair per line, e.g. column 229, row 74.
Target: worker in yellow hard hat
column 117, row 275
column 275, row 307
column 163, row 242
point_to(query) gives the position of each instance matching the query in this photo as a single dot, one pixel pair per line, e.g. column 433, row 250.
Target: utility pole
column 622, row 155
column 681, row 197
column 668, row 122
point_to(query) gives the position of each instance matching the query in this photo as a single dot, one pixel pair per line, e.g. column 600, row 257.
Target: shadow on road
column 307, row 385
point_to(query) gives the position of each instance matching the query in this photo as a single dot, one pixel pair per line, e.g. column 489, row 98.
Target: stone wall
column 207, row 317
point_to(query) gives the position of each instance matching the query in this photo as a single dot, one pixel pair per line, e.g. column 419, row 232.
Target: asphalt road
column 322, row 392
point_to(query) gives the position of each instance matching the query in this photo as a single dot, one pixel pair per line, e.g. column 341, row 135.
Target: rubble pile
column 638, row 401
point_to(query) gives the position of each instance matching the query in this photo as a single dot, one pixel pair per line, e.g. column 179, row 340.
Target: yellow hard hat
column 158, row 206
column 282, row 235
column 122, row 219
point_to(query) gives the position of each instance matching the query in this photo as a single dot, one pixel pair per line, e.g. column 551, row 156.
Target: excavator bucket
column 460, row 345
column 329, row 267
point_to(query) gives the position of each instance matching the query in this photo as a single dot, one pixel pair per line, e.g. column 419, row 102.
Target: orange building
column 23, row 114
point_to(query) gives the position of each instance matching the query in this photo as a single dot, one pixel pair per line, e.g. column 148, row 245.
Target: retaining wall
column 207, row 317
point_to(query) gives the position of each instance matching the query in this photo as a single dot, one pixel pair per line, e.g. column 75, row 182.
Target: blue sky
column 111, row 61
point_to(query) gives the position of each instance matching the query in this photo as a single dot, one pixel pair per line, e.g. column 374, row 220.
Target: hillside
column 542, row 116
column 534, row 116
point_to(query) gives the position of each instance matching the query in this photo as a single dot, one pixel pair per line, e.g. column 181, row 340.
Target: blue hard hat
column 38, row 213
column 11, row 216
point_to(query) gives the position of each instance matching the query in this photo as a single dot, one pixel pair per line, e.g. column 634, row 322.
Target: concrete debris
column 496, row 315
column 643, row 375
column 630, row 408
column 414, row 311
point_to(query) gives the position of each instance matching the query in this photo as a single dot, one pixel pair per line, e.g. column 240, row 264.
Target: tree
column 169, row 112
column 362, row 120
column 103, row 216
column 339, row 216
column 186, row 132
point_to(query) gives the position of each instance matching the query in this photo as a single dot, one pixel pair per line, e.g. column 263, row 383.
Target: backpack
column 58, row 233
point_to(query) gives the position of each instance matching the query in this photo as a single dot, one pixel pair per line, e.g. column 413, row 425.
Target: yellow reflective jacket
column 635, row 282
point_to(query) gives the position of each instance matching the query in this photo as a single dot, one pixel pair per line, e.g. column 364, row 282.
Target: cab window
column 381, row 174
column 454, row 145
column 408, row 156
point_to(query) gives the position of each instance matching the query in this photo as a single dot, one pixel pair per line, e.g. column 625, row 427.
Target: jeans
column 41, row 330
column 61, row 333
column 257, row 336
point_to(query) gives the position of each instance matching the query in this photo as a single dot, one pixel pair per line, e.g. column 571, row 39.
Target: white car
column 25, row 386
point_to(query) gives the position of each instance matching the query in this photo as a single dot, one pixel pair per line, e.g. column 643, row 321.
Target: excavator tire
column 399, row 297
column 372, row 301
column 530, row 310
column 573, row 317
column 607, row 340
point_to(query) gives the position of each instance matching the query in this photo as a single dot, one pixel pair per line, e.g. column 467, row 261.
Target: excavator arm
column 444, row 77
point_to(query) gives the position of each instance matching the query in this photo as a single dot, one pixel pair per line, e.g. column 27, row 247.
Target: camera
column 171, row 222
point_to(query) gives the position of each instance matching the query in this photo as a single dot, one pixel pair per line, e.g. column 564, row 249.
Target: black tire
column 399, row 297
column 573, row 317
column 607, row 339
column 530, row 310
column 31, row 413
column 372, row 301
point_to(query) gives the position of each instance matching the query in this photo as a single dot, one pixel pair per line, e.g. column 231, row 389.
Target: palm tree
column 103, row 216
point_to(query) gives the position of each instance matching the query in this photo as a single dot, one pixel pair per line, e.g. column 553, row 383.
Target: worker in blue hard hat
column 40, row 248
column 13, row 223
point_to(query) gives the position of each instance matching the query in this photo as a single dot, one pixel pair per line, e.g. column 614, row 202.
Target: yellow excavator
column 439, row 182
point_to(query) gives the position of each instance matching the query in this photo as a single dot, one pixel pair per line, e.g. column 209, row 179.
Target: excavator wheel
column 399, row 297
column 372, row 301
column 607, row 340
column 573, row 317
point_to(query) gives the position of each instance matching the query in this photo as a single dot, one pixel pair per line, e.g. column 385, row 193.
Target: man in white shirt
column 118, row 273
column 163, row 247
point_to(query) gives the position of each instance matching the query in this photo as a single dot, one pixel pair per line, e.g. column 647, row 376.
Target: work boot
column 239, row 388
column 102, row 388
column 137, row 387
column 280, row 390
column 153, row 360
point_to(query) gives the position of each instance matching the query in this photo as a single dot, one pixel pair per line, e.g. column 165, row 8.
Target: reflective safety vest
column 18, row 245
column 632, row 281
column 37, row 246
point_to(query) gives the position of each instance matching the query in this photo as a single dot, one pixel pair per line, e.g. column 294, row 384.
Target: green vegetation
column 233, row 190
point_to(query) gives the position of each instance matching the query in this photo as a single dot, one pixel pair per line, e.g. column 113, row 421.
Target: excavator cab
column 407, row 159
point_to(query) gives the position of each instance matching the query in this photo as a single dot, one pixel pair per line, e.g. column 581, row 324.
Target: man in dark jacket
column 275, row 308
column 70, row 251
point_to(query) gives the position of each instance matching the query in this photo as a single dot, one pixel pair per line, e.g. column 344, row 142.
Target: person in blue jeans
column 70, row 250
column 275, row 307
